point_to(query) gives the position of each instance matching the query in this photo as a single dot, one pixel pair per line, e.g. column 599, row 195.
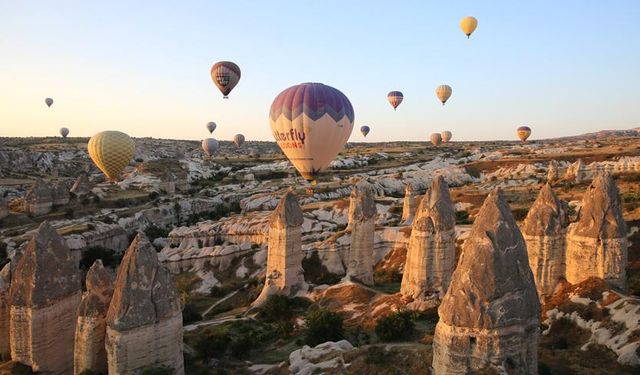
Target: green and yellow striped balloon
column 111, row 151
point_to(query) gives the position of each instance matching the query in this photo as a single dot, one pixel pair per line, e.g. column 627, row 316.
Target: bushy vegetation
column 152, row 232
column 190, row 314
column 162, row 370
column 322, row 325
column 218, row 212
column 109, row 257
column 395, row 327
column 462, row 218
column 316, row 273
column 387, row 276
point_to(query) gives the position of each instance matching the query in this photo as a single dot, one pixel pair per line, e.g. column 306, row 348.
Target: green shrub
column 322, row 325
column 109, row 257
column 212, row 345
column 190, row 314
column 152, row 232
column 395, row 327
column 316, row 273
column 387, row 276
column 161, row 370
column 276, row 308
column 462, row 218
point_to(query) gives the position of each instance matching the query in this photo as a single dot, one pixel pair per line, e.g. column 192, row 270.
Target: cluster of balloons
column 64, row 132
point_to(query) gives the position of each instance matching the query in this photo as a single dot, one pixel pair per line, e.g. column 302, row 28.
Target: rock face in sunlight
column 39, row 198
column 490, row 316
column 597, row 243
column 552, row 172
column 144, row 321
column 5, row 283
column 576, row 172
column 45, row 292
column 544, row 231
column 82, row 187
column 90, row 352
column 432, row 248
column 362, row 219
column 408, row 209
column 284, row 274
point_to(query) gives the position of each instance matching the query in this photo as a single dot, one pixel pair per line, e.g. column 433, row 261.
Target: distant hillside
column 634, row 132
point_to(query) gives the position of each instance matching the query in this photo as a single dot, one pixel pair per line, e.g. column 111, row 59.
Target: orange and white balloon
column 443, row 92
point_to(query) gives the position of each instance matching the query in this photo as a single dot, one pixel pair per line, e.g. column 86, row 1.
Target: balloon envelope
column 436, row 139
column 523, row 133
column 111, row 151
column 311, row 122
column 210, row 146
column 395, row 98
column 64, row 132
column 365, row 130
column 238, row 140
column 446, row 136
column 443, row 92
column 225, row 76
column 48, row 102
column 211, row 126
column 468, row 25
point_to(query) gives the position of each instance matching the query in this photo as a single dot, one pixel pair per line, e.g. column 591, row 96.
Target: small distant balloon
column 48, row 102
column 225, row 76
column 395, row 98
column 211, row 126
column 365, row 130
column 111, row 151
column 238, row 140
column 443, row 92
column 436, row 139
column 446, row 136
column 210, row 146
column 468, row 25
column 64, row 132
column 523, row 133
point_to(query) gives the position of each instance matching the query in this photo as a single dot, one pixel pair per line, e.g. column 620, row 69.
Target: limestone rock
column 408, row 209
column 168, row 183
column 60, row 194
column 362, row 217
column 284, row 273
column 490, row 316
column 82, row 187
column 544, row 231
column 45, row 292
column 144, row 320
column 432, row 247
column 39, row 199
column 89, row 345
column 597, row 243
column 552, row 172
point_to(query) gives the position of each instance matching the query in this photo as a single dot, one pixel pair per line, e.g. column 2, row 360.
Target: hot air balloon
column 443, row 92
column 446, row 136
column 211, row 126
column 365, row 130
column 225, row 75
column 523, row 133
column 311, row 123
column 111, row 151
column 48, row 102
column 436, row 139
column 64, row 132
column 468, row 25
column 238, row 140
column 395, row 98
column 210, row 146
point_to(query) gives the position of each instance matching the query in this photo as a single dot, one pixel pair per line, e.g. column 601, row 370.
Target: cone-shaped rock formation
column 362, row 220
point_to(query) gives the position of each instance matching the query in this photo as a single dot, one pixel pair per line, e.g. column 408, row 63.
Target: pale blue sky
column 562, row 67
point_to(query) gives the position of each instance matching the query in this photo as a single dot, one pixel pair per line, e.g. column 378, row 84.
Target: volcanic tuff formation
column 597, row 243
column 45, row 292
column 5, row 283
column 39, row 198
column 362, row 219
column 82, row 186
column 144, row 321
column 408, row 207
column 4, row 208
column 89, row 346
column 284, row 274
column 552, row 172
column 544, row 231
column 490, row 316
column 59, row 193
column 432, row 247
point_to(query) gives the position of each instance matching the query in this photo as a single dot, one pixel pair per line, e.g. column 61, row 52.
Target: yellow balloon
column 443, row 92
column 111, row 151
column 468, row 25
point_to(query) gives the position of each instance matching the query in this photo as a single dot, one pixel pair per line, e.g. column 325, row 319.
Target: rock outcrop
column 39, row 198
column 544, row 231
column 552, row 172
column 362, row 218
column 432, row 247
column 408, row 207
column 45, row 292
column 5, row 283
column 597, row 243
column 576, row 172
column 89, row 345
column 82, row 187
column 59, row 193
column 4, row 207
column 168, row 183
column 284, row 273
column 144, row 321
column 490, row 316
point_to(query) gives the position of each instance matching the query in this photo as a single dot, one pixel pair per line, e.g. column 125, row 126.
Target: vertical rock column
column 597, row 243
column 432, row 247
column 89, row 347
column 544, row 231
column 144, row 320
column 490, row 316
column 552, row 172
column 362, row 219
column 39, row 198
column 45, row 293
column 284, row 273
column 408, row 208
column 5, row 283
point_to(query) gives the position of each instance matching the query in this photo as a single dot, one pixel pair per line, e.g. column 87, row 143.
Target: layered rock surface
column 82, row 186
column 408, row 207
column 59, row 193
column 4, row 208
column 39, row 198
column 597, row 243
column 5, row 283
column 544, row 231
column 144, row 320
column 362, row 218
column 552, row 172
column 490, row 316
column 432, row 247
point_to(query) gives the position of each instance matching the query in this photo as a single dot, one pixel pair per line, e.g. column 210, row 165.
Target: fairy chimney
column 362, row 219
column 39, row 198
column 408, row 207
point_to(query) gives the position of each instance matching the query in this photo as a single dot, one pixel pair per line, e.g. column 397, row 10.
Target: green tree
column 322, row 325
